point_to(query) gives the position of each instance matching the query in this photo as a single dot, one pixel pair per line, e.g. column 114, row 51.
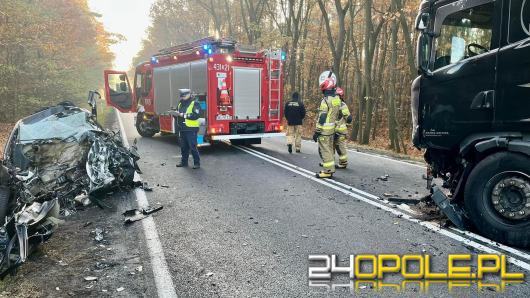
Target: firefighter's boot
column 324, row 174
column 325, row 145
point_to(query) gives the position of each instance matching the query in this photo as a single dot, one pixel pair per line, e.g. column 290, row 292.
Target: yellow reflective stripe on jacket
column 341, row 123
column 189, row 122
column 329, row 105
column 342, row 128
column 336, row 101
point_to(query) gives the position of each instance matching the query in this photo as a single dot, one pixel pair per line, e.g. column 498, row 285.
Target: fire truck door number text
column 221, row 67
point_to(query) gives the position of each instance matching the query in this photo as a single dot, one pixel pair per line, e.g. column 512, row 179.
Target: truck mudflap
column 453, row 212
column 247, row 136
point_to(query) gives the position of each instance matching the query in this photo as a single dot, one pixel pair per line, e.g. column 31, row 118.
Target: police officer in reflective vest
column 188, row 113
column 341, row 131
column 328, row 113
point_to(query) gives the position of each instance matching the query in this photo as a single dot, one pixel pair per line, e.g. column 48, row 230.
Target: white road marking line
column 163, row 281
column 512, row 250
column 388, row 158
column 477, row 237
column 349, row 187
column 382, row 157
column 396, row 212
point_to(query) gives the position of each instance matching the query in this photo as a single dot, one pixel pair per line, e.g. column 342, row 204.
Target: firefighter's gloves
column 315, row 136
column 349, row 120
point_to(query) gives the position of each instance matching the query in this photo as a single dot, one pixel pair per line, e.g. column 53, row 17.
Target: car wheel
column 143, row 127
column 497, row 198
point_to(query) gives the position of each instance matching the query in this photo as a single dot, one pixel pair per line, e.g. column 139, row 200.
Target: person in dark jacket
column 294, row 111
column 188, row 113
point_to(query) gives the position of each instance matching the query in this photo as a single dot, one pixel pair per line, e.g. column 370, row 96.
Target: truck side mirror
column 422, row 21
column 424, row 54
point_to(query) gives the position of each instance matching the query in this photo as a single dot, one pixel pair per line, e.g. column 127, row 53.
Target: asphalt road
column 244, row 224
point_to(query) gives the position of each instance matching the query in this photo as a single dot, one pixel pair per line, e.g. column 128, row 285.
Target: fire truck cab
column 239, row 90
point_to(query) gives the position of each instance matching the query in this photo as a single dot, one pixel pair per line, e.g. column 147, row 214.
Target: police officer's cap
column 184, row 92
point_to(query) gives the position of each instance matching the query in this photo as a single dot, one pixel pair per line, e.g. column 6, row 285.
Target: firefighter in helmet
column 328, row 113
column 341, row 130
column 188, row 114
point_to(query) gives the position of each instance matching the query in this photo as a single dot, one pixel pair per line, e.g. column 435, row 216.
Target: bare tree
column 336, row 45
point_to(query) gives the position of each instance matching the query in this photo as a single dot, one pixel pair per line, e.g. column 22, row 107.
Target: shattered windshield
column 69, row 123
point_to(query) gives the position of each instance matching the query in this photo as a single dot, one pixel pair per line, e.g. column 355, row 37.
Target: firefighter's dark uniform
column 188, row 126
column 341, row 132
column 294, row 111
column 328, row 113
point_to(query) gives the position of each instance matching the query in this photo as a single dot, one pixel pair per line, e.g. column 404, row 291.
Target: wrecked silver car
column 54, row 159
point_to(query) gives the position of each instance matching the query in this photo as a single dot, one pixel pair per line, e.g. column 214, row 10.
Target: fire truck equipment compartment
column 247, row 93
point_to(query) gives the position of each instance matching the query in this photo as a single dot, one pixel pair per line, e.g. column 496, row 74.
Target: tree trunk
column 392, row 131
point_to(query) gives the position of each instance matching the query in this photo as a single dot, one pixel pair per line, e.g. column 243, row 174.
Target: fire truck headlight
column 229, row 59
column 212, row 130
column 281, row 127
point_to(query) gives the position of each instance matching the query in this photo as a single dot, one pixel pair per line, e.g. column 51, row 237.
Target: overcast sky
column 129, row 18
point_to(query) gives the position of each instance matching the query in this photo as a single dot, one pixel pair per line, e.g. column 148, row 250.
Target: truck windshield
column 464, row 34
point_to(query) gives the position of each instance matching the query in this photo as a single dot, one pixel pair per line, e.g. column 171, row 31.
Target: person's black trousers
column 188, row 141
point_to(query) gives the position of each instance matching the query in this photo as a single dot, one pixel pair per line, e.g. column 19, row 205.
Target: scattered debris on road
column 398, row 200
column 383, row 178
column 99, row 234
column 91, row 278
column 136, row 215
column 144, row 185
column 55, row 159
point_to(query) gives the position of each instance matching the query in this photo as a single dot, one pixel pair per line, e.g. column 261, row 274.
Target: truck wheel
column 497, row 198
column 143, row 128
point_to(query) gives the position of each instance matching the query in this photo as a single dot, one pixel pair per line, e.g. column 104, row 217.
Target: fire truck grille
column 237, row 128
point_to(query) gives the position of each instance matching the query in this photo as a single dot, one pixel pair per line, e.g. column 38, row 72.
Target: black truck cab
column 471, row 108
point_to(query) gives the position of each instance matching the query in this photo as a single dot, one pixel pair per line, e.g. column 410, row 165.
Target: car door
column 463, row 63
column 513, row 106
column 118, row 92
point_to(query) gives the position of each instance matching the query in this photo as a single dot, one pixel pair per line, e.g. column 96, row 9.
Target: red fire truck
column 239, row 90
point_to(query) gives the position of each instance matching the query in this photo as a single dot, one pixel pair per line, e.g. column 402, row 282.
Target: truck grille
column 238, row 128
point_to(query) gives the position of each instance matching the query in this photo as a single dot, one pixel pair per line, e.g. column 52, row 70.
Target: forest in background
column 50, row 51
column 368, row 43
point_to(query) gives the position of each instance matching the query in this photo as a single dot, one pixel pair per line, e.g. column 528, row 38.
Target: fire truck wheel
column 497, row 198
